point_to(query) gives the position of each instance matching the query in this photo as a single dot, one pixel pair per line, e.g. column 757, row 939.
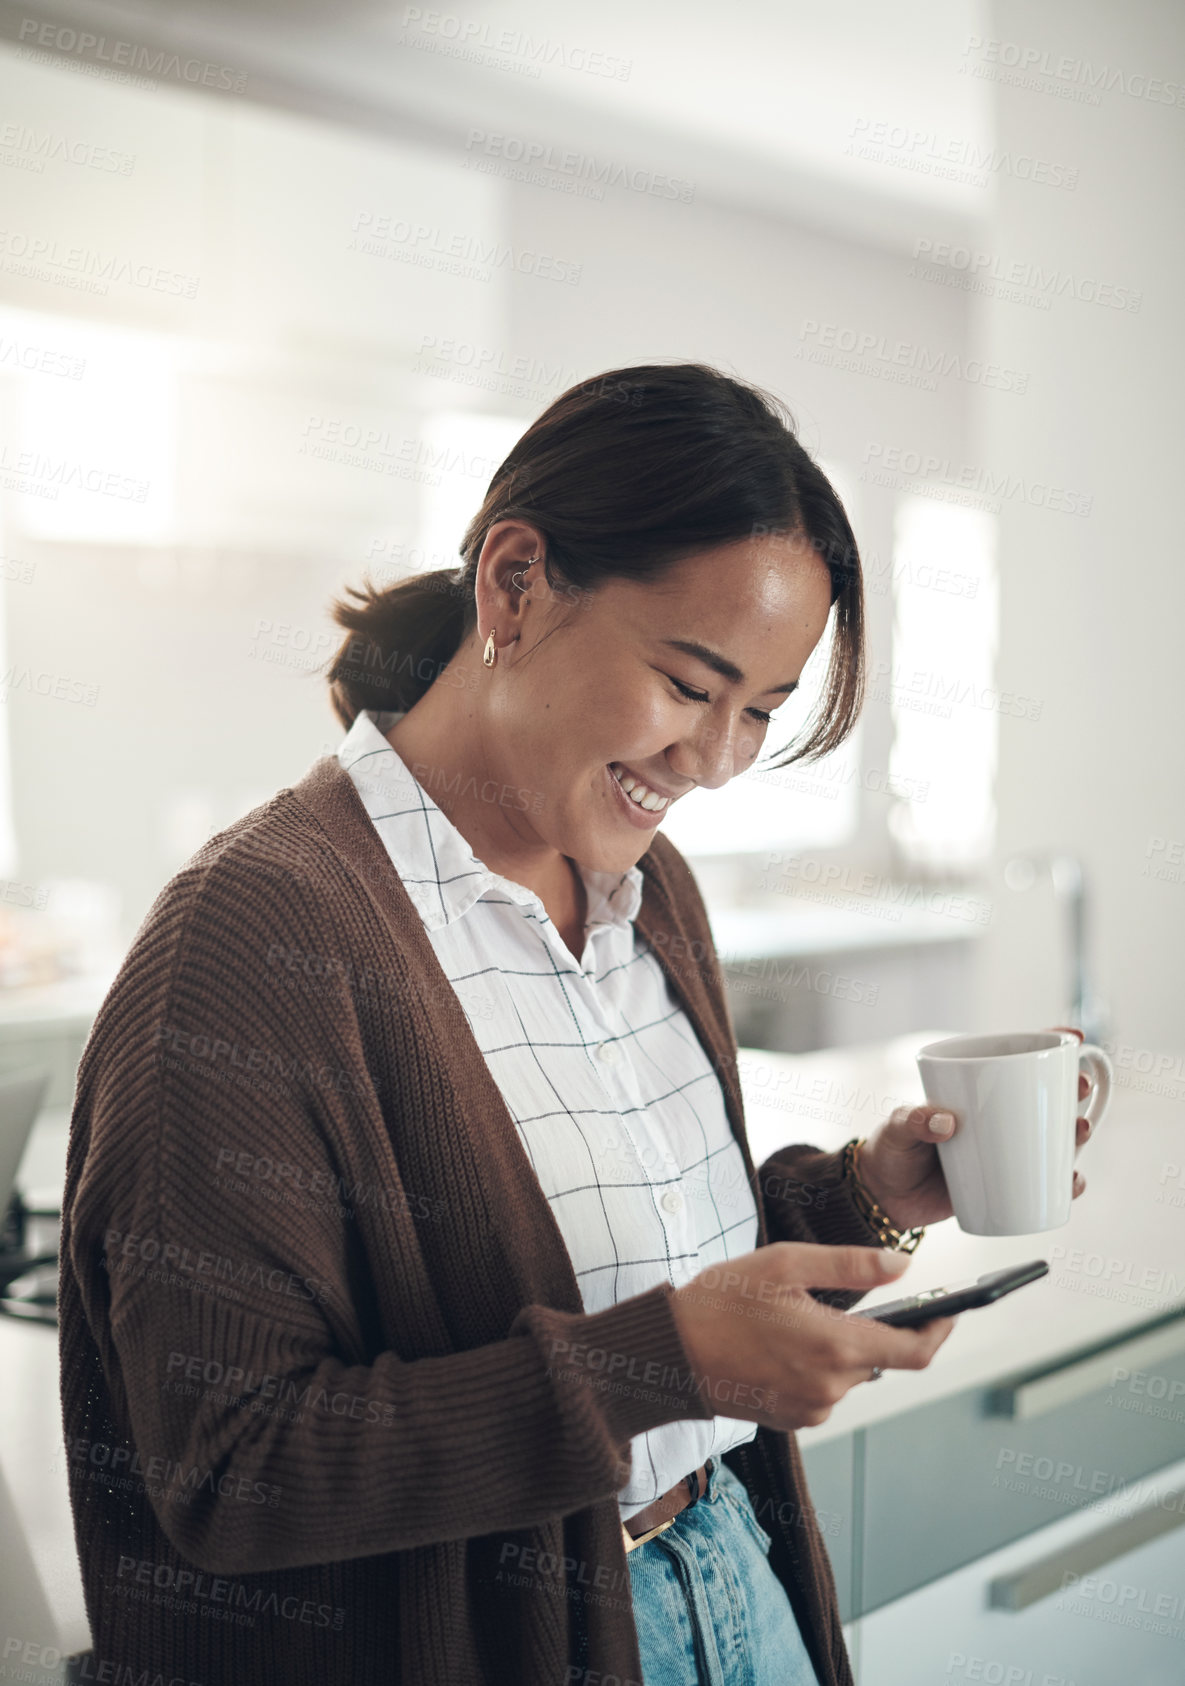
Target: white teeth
column 639, row 793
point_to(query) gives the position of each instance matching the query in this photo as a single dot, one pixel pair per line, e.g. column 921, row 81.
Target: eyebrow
column 721, row 664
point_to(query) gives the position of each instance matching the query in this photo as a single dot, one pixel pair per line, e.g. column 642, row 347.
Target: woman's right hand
column 765, row 1351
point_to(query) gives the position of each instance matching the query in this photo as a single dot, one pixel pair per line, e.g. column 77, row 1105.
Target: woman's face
column 606, row 685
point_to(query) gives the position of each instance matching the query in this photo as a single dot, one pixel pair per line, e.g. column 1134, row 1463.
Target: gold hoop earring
column 489, row 654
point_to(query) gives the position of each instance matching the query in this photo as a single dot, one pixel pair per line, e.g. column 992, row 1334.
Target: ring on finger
column 877, row 1373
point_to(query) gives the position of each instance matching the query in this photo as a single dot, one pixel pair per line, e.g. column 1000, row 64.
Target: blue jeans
column 708, row 1608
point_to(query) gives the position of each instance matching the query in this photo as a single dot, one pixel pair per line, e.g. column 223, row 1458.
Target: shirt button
column 672, row 1200
column 607, row 1053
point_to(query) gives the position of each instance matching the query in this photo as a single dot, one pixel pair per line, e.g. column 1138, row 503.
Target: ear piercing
column 490, row 654
column 515, row 578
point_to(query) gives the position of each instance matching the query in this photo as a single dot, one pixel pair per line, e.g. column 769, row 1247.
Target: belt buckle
column 632, row 1541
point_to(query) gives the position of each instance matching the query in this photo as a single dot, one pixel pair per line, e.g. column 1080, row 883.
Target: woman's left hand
column 899, row 1162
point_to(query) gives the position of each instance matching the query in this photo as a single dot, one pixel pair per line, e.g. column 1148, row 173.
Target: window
column 462, row 448
column 939, row 689
column 12, row 565
column 97, row 430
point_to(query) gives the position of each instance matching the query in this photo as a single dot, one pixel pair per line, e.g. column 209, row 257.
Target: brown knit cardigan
column 333, row 1412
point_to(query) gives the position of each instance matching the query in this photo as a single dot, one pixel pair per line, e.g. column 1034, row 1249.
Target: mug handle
column 1097, row 1067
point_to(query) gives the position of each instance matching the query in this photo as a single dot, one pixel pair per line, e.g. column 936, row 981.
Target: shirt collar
column 438, row 867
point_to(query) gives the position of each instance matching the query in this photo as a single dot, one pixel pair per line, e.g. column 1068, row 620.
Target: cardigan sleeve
column 291, row 1455
column 272, row 1427
column 807, row 1198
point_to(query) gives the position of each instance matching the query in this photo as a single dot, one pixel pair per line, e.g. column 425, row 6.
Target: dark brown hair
column 625, row 475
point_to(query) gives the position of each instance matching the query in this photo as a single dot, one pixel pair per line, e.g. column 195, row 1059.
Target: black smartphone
column 949, row 1302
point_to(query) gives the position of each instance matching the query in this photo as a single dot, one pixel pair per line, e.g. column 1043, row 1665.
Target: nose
column 712, row 755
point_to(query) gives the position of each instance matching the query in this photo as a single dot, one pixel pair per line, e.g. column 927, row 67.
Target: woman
column 407, row 1144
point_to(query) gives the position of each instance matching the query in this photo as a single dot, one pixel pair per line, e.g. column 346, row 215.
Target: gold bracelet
column 887, row 1232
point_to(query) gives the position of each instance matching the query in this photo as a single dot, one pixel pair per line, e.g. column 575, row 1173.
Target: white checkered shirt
column 613, row 1095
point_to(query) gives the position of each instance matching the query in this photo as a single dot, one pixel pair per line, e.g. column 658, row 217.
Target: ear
column 500, row 600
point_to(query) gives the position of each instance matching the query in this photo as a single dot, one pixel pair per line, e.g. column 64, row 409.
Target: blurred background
column 280, row 284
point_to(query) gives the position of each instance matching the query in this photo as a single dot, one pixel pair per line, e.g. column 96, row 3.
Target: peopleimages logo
column 482, row 42
column 953, row 159
column 872, row 887
column 39, row 360
column 470, row 364
column 474, row 257
column 32, row 254
column 58, row 474
column 195, row 1584
column 128, row 1253
column 1033, row 63
column 181, row 1481
column 926, row 691
column 866, row 351
column 597, row 173
column 32, row 149
column 32, row 1654
column 129, row 55
column 937, row 477
column 938, row 258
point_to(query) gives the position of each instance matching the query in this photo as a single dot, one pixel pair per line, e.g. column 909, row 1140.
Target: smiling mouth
column 638, row 793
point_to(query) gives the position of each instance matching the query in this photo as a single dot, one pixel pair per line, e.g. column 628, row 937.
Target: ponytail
column 402, row 637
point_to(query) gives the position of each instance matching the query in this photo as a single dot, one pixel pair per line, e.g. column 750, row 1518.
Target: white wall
column 1092, row 609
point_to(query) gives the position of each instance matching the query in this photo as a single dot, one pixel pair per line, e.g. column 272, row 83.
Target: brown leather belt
column 645, row 1524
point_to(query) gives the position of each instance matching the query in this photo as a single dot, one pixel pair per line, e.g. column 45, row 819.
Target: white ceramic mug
column 1010, row 1164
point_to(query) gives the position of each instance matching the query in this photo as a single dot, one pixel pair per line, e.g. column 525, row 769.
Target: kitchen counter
column 38, row 1535
column 832, row 927
column 840, row 972
column 39, row 1530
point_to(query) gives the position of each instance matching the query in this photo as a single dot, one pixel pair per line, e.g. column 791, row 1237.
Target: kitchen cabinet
column 903, row 1503
column 805, row 976
column 830, row 1477
column 1095, row 1617
column 950, row 1482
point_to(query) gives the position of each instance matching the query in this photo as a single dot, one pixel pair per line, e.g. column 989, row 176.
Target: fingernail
column 898, row 1262
column 942, row 1124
